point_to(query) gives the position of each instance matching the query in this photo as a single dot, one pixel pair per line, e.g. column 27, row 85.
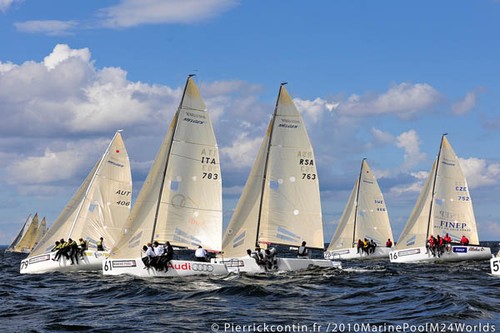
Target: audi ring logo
column 202, row 267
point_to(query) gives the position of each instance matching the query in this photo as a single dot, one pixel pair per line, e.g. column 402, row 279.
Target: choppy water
column 454, row 297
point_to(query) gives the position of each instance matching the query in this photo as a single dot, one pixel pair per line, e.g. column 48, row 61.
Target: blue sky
column 375, row 79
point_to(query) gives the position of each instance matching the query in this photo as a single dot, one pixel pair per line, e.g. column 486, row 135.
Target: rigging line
column 434, row 186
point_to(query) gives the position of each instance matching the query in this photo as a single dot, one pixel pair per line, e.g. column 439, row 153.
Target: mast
column 266, row 164
column 167, row 156
column 90, row 184
column 434, row 186
column 356, row 206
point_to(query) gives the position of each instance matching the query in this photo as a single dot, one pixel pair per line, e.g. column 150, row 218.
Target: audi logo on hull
column 202, row 267
column 186, row 266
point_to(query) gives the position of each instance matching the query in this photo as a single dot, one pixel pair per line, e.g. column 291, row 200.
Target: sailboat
column 181, row 199
column 42, row 230
column 280, row 203
column 26, row 239
column 495, row 264
column 98, row 209
column 443, row 207
column 365, row 217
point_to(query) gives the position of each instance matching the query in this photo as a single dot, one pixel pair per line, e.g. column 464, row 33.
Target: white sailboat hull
column 249, row 265
column 136, row 267
column 43, row 263
column 495, row 265
column 453, row 253
column 352, row 254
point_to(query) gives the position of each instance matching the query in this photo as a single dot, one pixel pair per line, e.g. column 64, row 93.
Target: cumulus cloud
column 403, row 100
column 48, row 27
column 66, row 94
column 129, row 13
column 410, row 143
column 415, row 186
column 63, row 52
column 315, row 108
column 51, row 167
column 479, row 173
column 47, row 104
column 243, row 151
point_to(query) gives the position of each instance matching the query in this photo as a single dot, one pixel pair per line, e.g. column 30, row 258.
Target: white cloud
column 414, row 187
column 6, row 4
column 51, row 167
column 381, row 136
column 67, row 94
column 243, row 151
column 313, row 109
column 479, row 173
column 410, row 142
column 48, row 27
column 6, row 67
column 403, row 100
column 63, row 52
column 129, row 13
column 465, row 105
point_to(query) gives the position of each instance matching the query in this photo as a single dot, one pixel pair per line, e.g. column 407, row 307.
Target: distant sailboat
column 98, row 209
column 27, row 237
column 443, row 207
column 181, row 199
column 365, row 217
column 280, row 203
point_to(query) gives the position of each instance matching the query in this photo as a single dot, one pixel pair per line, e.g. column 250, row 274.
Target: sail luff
column 357, row 202
column 266, row 164
column 429, row 221
column 175, row 123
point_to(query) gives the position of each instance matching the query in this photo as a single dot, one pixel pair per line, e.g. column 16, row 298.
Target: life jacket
column 302, row 251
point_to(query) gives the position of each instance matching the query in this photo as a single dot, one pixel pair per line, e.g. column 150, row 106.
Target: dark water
column 453, row 297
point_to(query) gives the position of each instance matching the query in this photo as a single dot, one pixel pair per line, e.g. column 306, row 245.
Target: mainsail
column 181, row 199
column 26, row 238
column 365, row 215
column 280, row 203
column 444, row 205
column 100, row 206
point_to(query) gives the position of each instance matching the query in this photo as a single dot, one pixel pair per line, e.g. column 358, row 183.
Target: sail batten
column 280, row 203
